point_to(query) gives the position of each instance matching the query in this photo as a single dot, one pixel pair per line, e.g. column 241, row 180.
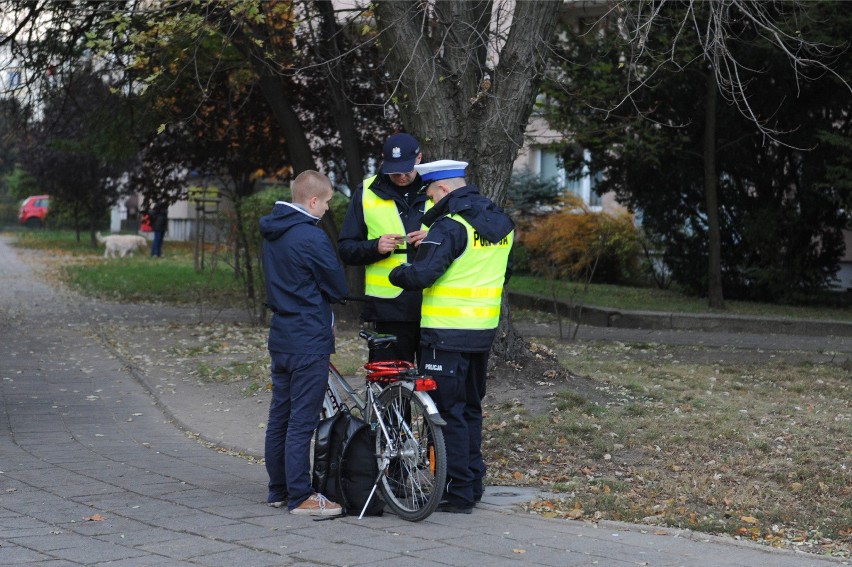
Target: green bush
column 520, row 258
column 9, row 214
column 527, row 191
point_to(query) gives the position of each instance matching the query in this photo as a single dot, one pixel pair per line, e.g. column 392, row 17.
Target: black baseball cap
column 400, row 153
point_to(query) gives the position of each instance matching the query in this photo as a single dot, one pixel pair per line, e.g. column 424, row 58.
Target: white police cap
column 441, row 169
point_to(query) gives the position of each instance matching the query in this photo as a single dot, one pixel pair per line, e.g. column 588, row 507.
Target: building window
column 582, row 185
column 14, row 79
column 551, row 167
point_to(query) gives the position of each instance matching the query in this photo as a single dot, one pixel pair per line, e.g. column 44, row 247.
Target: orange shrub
column 578, row 244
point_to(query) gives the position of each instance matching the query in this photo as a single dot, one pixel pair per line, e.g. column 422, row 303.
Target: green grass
column 142, row 279
column 138, row 278
column 61, row 240
column 173, row 279
column 652, row 299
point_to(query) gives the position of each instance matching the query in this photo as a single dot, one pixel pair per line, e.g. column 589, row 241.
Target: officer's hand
column 416, row 236
column 390, row 242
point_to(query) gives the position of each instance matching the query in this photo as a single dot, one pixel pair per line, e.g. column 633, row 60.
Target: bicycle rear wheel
column 412, row 455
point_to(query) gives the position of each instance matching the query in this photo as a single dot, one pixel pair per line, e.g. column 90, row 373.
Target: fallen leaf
column 750, row 520
column 517, row 550
column 95, row 518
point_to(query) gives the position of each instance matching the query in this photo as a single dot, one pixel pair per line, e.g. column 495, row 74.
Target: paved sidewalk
column 97, row 468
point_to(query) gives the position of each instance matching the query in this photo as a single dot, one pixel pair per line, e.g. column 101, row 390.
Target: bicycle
column 406, row 426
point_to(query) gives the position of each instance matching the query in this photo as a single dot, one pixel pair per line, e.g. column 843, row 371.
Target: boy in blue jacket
column 303, row 278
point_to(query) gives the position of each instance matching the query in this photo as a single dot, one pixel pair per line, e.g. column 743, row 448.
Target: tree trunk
column 274, row 90
column 344, row 118
column 298, row 148
column 715, row 296
column 454, row 97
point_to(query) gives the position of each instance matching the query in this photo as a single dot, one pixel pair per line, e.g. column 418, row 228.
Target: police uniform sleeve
column 445, row 242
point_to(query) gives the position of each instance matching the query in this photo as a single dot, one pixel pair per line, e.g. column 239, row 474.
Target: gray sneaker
column 279, row 504
column 318, row 505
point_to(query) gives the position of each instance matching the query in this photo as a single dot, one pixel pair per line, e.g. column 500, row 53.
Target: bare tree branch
column 726, row 21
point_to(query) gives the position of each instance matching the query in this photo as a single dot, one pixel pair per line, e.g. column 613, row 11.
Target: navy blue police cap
column 400, row 153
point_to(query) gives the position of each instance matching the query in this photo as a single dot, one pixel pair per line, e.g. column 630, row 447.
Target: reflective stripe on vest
column 468, row 295
column 381, row 217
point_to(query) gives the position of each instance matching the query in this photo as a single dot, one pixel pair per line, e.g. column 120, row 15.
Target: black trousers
column 407, row 345
column 461, row 387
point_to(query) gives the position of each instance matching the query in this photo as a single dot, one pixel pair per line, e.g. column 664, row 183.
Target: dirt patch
column 534, row 383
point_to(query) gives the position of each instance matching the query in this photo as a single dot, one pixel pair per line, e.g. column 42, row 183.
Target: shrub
column 527, row 192
column 9, row 214
column 520, row 258
column 578, row 244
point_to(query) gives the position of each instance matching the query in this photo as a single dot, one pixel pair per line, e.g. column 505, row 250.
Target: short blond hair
column 310, row 184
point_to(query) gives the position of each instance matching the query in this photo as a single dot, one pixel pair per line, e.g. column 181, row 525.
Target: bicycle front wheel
column 411, row 453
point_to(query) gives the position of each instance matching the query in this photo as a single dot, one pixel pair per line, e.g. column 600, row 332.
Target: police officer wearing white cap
column 461, row 265
column 381, row 230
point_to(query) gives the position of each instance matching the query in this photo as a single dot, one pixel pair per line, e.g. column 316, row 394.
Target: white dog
column 121, row 244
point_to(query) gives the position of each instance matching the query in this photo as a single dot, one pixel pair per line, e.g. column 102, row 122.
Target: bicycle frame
column 405, row 425
column 339, row 390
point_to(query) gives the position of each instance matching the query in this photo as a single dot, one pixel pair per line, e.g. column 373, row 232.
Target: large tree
column 464, row 75
column 80, row 147
column 227, row 138
column 730, row 180
column 312, row 70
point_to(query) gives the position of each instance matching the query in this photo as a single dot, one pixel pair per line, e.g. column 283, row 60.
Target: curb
column 655, row 320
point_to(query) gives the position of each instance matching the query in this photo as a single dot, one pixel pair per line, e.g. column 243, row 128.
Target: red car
column 34, row 210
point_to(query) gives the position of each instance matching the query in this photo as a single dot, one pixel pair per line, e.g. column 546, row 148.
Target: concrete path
column 97, row 469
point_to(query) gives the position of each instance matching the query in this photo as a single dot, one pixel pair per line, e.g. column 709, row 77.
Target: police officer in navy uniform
column 381, row 230
column 461, row 265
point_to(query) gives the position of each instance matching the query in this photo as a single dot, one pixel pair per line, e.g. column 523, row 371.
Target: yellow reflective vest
column 467, row 295
column 382, row 217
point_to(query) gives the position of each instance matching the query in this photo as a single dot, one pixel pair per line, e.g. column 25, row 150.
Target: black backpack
column 345, row 467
